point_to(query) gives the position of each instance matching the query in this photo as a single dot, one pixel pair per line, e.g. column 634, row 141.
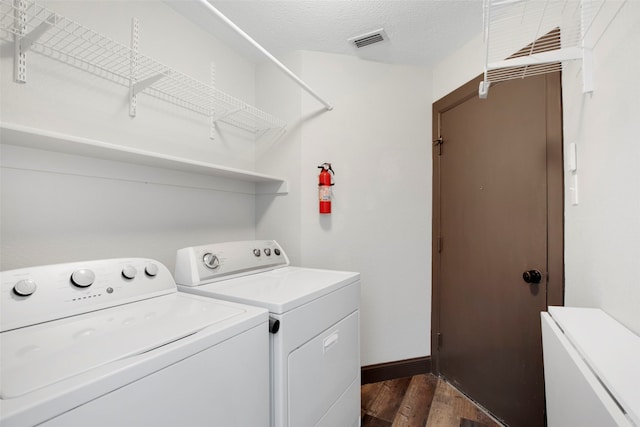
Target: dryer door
column 321, row 371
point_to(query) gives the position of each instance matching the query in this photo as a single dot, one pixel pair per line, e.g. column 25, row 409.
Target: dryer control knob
column 129, row 272
column 256, row 252
column 267, row 251
column 151, row 270
column 83, row 278
column 211, row 261
column 24, row 288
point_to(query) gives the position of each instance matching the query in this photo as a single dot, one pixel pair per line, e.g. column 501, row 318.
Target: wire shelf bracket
column 530, row 37
column 24, row 41
column 32, row 27
column 29, row 39
column 137, row 86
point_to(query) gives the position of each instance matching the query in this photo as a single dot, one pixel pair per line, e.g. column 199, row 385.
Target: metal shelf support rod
column 133, row 67
column 273, row 59
column 19, row 57
column 586, row 46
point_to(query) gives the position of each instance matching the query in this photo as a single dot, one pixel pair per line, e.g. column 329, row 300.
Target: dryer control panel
column 198, row 265
column 44, row 293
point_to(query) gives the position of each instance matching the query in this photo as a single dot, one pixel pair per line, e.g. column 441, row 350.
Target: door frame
column 555, row 198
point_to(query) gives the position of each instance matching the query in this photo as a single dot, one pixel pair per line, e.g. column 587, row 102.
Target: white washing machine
column 315, row 337
column 112, row 343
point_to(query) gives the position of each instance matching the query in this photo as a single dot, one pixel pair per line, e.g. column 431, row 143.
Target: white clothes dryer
column 314, row 324
column 112, row 343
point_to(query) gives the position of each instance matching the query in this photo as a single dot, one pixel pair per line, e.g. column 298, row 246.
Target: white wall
column 378, row 140
column 280, row 217
column 60, row 208
column 377, row 137
column 458, row 68
column 602, row 233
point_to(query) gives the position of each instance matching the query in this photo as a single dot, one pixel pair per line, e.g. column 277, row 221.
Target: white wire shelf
column 530, row 37
column 33, row 27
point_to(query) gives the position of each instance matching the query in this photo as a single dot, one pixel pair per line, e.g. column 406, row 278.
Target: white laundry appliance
column 314, row 324
column 591, row 369
column 112, row 343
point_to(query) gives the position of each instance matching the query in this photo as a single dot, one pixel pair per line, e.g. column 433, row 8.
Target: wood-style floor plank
column 369, row 393
column 415, row 406
column 370, row 421
column 419, row 401
column 450, row 408
column 388, row 400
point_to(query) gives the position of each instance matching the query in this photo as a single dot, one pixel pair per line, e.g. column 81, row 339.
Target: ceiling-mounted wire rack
column 33, row 27
column 529, row 37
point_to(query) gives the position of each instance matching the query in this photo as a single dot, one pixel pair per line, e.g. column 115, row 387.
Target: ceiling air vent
column 369, row 38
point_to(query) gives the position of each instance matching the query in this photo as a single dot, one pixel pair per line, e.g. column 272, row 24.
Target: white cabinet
column 591, row 369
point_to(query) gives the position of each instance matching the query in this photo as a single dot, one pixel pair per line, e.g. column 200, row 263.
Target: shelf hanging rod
column 273, row 59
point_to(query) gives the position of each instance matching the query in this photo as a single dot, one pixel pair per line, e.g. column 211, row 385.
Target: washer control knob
column 276, row 251
column 151, row 270
column 256, row 252
column 211, row 260
column 83, row 278
column 129, row 272
column 25, row 287
column 267, row 251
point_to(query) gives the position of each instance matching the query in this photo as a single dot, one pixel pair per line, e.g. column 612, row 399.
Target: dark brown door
column 497, row 214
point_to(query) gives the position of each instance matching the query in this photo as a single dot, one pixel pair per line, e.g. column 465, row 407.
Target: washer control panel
column 198, row 265
column 44, row 293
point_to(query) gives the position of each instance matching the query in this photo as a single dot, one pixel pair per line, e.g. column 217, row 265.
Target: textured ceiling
column 420, row 32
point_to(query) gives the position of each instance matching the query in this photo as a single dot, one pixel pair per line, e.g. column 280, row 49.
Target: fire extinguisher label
column 324, row 193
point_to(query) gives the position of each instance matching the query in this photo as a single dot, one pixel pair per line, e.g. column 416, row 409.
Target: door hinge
column 438, row 143
column 439, row 339
column 439, row 244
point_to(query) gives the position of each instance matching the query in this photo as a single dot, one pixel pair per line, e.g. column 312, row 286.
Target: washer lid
column 40, row 355
column 278, row 290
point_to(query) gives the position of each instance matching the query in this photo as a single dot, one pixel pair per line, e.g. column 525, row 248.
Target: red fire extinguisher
column 324, row 187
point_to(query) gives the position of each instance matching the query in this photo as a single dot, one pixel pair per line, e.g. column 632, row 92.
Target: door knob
column 532, row 276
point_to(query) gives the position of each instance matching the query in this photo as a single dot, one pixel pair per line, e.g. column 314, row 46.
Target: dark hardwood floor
column 419, row 401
